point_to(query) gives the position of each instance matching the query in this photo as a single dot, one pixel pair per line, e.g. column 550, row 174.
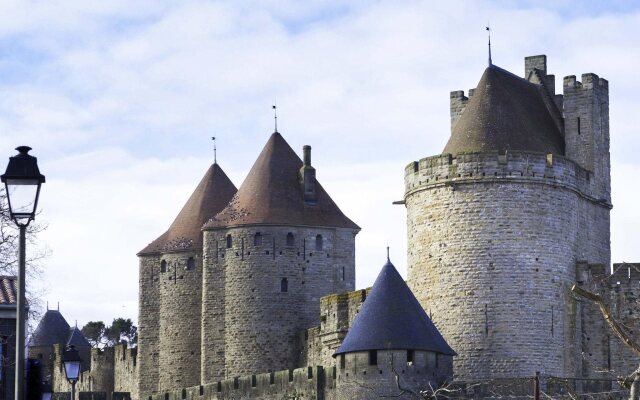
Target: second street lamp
column 72, row 363
column 22, row 180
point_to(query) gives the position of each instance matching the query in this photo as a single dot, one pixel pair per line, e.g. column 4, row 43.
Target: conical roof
column 212, row 194
column 271, row 194
column 392, row 319
column 77, row 339
column 51, row 329
column 506, row 112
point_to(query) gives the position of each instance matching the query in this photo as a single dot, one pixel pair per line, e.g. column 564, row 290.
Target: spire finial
column 47, row 305
column 275, row 115
column 215, row 160
column 388, row 259
column 489, row 35
column 58, row 305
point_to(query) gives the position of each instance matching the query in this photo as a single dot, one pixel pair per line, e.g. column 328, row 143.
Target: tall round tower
column 498, row 221
column 171, row 291
column 279, row 246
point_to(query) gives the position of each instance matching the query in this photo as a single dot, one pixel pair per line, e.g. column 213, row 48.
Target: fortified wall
column 113, row 370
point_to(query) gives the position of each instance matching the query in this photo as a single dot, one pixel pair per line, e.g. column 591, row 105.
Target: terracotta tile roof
column 212, row 194
column 506, row 112
column 271, row 194
column 8, row 290
column 391, row 318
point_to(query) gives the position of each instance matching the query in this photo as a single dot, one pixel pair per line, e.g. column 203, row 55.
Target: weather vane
column 489, row 34
column 275, row 115
column 215, row 161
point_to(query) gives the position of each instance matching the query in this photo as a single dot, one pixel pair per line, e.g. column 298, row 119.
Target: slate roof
column 52, row 329
column 77, row 339
column 392, row 319
column 212, row 194
column 506, row 112
column 8, row 290
column 271, row 194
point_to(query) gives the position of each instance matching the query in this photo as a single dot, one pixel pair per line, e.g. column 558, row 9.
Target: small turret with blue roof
column 392, row 339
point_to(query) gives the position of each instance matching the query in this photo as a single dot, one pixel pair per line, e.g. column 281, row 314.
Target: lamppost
column 47, row 391
column 22, row 180
column 72, row 361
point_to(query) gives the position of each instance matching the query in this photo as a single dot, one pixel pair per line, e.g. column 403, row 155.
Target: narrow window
column 163, row 266
column 343, row 273
column 342, row 362
column 373, row 357
column 257, row 239
column 318, row 242
column 284, row 285
column 290, row 240
column 579, row 126
column 191, row 264
column 410, row 356
column 229, row 242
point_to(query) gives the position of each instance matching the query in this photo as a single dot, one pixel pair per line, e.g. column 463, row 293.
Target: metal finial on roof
column 47, row 305
column 215, row 160
column 275, row 115
column 489, row 34
column 388, row 259
column 58, row 306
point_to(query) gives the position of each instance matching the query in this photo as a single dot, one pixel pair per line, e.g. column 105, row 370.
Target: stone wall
column 271, row 290
column 457, row 103
column 337, row 312
column 492, row 251
column 301, row 383
column 180, row 313
column 125, row 376
column 390, row 374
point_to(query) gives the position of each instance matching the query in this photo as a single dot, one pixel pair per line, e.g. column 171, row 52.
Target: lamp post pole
column 22, row 181
column 19, row 383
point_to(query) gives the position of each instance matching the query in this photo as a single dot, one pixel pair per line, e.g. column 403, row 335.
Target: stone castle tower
column 497, row 223
column 171, row 290
column 239, row 275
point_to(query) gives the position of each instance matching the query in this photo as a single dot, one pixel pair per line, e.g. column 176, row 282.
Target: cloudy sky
column 119, row 101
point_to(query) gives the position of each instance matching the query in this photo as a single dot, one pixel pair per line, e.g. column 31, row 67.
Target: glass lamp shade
column 22, row 181
column 47, row 392
column 71, row 361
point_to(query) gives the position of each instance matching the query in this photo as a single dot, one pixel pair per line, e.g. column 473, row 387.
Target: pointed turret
column 77, row 339
column 51, row 329
column 281, row 190
column 392, row 319
column 505, row 112
column 212, row 194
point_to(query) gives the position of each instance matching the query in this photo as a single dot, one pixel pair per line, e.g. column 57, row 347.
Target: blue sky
column 119, row 100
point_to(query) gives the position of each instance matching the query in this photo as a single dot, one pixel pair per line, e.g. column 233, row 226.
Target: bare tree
column 36, row 252
column 632, row 381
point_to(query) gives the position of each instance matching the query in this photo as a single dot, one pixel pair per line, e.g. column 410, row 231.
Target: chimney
column 308, row 177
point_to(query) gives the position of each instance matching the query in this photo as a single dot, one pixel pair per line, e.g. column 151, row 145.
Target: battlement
column 589, row 80
column 310, row 382
column 463, row 168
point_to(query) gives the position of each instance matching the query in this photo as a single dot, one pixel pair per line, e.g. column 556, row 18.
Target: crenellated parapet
column 448, row 170
column 311, row 382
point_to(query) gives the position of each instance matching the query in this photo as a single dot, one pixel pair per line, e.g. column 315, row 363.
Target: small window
column 191, row 264
column 410, row 356
column 40, row 356
column 579, row 128
column 342, row 361
column 318, row 242
column 163, row 266
column 257, row 239
column 291, row 241
column 373, row 357
column 284, row 285
column 229, row 242
column 343, row 273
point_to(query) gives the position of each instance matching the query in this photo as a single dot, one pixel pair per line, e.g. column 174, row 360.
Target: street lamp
column 47, row 391
column 72, row 361
column 22, row 180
